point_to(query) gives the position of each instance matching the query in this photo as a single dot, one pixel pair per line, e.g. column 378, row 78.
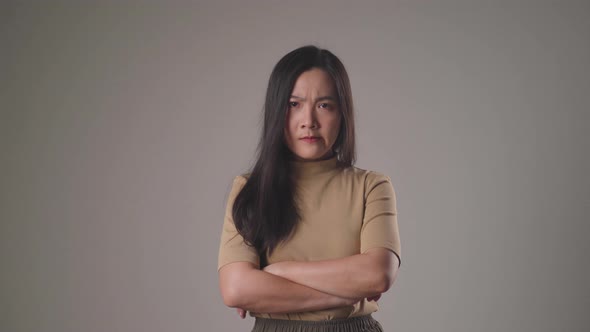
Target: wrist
column 277, row 269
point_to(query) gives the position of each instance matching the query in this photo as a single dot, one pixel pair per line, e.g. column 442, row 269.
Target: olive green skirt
column 356, row 324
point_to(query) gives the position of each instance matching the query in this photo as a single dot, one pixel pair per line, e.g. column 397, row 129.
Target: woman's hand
column 277, row 268
column 285, row 268
column 241, row 312
column 364, row 275
column 374, row 298
column 282, row 267
column 243, row 286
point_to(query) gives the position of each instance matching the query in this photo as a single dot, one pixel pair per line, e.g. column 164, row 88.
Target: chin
column 311, row 156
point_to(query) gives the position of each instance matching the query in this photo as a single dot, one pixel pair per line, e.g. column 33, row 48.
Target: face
column 313, row 117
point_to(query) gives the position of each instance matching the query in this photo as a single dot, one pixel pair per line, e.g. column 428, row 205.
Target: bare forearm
column 262, row 292
column 357, row 276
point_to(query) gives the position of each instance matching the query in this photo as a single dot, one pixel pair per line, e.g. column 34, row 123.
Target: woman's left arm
column 369, row 273
column 358, row 276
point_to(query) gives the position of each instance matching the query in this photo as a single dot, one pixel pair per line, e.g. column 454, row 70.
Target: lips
column 310, row 139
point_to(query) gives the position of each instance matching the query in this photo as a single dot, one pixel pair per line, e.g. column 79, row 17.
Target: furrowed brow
column 326, row 98
column 331, row 98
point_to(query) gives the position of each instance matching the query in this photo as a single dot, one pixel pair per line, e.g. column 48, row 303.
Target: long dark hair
column 264, row 211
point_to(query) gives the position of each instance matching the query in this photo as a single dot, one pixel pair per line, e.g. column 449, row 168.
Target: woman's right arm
column 244, row 286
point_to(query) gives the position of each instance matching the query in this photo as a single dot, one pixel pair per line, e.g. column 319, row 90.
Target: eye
column 324, row 105
column 293, row 104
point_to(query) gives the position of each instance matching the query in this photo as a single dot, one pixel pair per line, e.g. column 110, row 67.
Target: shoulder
column 240, row 180
column 238, row 183
column 370, row 179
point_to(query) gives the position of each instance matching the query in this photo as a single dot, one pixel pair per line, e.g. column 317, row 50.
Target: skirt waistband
column 355, row 324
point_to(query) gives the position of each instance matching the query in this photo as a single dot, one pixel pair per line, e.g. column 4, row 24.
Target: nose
column 309, row 119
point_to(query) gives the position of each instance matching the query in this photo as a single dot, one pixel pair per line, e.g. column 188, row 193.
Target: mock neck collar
column 311, row 168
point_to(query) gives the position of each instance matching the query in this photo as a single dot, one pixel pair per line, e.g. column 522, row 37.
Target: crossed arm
column 304, row 286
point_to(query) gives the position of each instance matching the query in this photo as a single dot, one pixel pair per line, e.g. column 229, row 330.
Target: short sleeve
column 232, row 247
column 380, row 229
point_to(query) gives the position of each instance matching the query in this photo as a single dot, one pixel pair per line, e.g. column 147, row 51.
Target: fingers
column 374, row 298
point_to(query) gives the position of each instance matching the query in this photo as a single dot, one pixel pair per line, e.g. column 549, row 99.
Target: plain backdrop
column 123, row 124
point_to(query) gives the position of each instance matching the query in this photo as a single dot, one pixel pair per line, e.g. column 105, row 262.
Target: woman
column 309, row 242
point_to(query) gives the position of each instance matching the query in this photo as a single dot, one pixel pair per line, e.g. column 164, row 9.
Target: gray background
column 123, row 125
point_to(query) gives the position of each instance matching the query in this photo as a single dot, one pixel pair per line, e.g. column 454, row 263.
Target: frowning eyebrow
column 318, row 99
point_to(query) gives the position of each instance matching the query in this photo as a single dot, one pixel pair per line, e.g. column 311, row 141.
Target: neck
column 328, row 155
column 306, row 168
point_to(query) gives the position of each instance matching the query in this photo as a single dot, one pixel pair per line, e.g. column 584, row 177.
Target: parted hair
column 265, row 211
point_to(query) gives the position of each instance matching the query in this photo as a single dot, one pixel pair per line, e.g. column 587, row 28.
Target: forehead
column 314, row 81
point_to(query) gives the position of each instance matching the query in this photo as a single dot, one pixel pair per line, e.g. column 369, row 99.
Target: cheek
column 289, row 120
column 335, row 128
column 289, row 130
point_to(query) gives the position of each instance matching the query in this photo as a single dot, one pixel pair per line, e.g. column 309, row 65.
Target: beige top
column 344, row 211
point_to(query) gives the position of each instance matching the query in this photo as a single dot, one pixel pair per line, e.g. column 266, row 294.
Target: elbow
column 384, row 270
column 384, row 279
column 383, row 282
column 233, row 288
column 237, row 295
column 231, row 296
